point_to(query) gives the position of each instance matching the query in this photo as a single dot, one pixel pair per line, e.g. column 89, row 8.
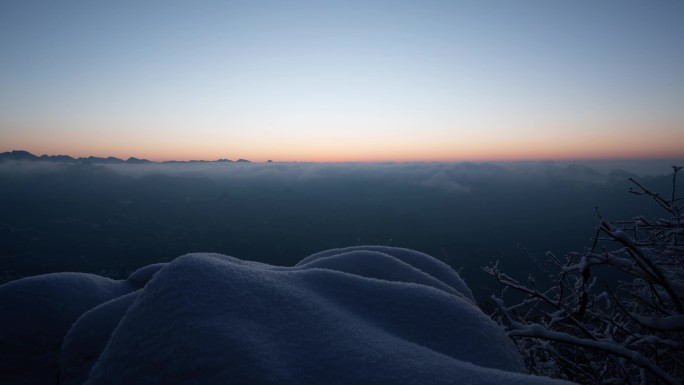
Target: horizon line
column 482, row 160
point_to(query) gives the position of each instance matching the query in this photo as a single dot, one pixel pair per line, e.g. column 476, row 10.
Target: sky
column 343, row 81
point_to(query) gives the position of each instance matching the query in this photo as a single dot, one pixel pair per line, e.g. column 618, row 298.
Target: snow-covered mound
column 347, row 316
column 36, row 313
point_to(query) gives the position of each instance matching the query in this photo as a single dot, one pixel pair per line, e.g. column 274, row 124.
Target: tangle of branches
column 592, row 330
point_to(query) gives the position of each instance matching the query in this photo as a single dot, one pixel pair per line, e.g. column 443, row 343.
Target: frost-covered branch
column 627, row 330
column 537, row 331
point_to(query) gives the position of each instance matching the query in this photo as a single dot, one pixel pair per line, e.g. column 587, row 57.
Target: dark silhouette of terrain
column 21, row 155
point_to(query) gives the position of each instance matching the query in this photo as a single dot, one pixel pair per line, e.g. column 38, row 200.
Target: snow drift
column 350, row 316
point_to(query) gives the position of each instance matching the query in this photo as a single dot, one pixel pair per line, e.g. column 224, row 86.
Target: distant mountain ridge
column 21, row 155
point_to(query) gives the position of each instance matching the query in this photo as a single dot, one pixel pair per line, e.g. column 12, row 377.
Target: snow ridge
column 355, row 315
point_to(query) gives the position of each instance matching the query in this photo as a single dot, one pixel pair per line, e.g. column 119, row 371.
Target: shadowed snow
column 37, row 312
column 354, row 315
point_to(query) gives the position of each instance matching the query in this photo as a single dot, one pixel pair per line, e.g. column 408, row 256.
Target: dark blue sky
column 382, row 80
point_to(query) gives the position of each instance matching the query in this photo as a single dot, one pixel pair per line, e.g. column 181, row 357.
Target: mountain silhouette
column 21, row 155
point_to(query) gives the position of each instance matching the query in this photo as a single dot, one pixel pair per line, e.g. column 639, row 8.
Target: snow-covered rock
column 347, row 316
column 87, row 338
column 36, row 313
column 140, row 277
column 416, row 260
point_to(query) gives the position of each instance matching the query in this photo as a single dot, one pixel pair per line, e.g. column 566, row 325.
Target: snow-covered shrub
column 614, row 313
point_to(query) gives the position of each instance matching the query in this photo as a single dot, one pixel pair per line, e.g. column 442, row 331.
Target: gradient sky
column 343, row 81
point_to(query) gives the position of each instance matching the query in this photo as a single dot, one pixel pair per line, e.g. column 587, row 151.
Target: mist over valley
column 114, row 218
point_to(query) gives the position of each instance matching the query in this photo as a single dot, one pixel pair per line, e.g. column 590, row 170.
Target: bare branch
column 535, row 331
column 632, row 334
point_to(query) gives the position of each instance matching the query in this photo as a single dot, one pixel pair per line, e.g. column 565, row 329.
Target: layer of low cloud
column 111, row 217
column 453, row 177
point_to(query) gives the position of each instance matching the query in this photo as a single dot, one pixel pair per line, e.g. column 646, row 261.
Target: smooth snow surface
column 358, row 315
column 88, row 337
column 36, row 313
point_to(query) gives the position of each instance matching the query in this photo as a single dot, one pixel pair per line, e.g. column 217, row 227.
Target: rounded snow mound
column 36, row 313
column 344, row 316
column 140, row 277
column 417, row 261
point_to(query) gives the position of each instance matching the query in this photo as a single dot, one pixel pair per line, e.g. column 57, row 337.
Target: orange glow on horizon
column 444, row 153
column 449, row 146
